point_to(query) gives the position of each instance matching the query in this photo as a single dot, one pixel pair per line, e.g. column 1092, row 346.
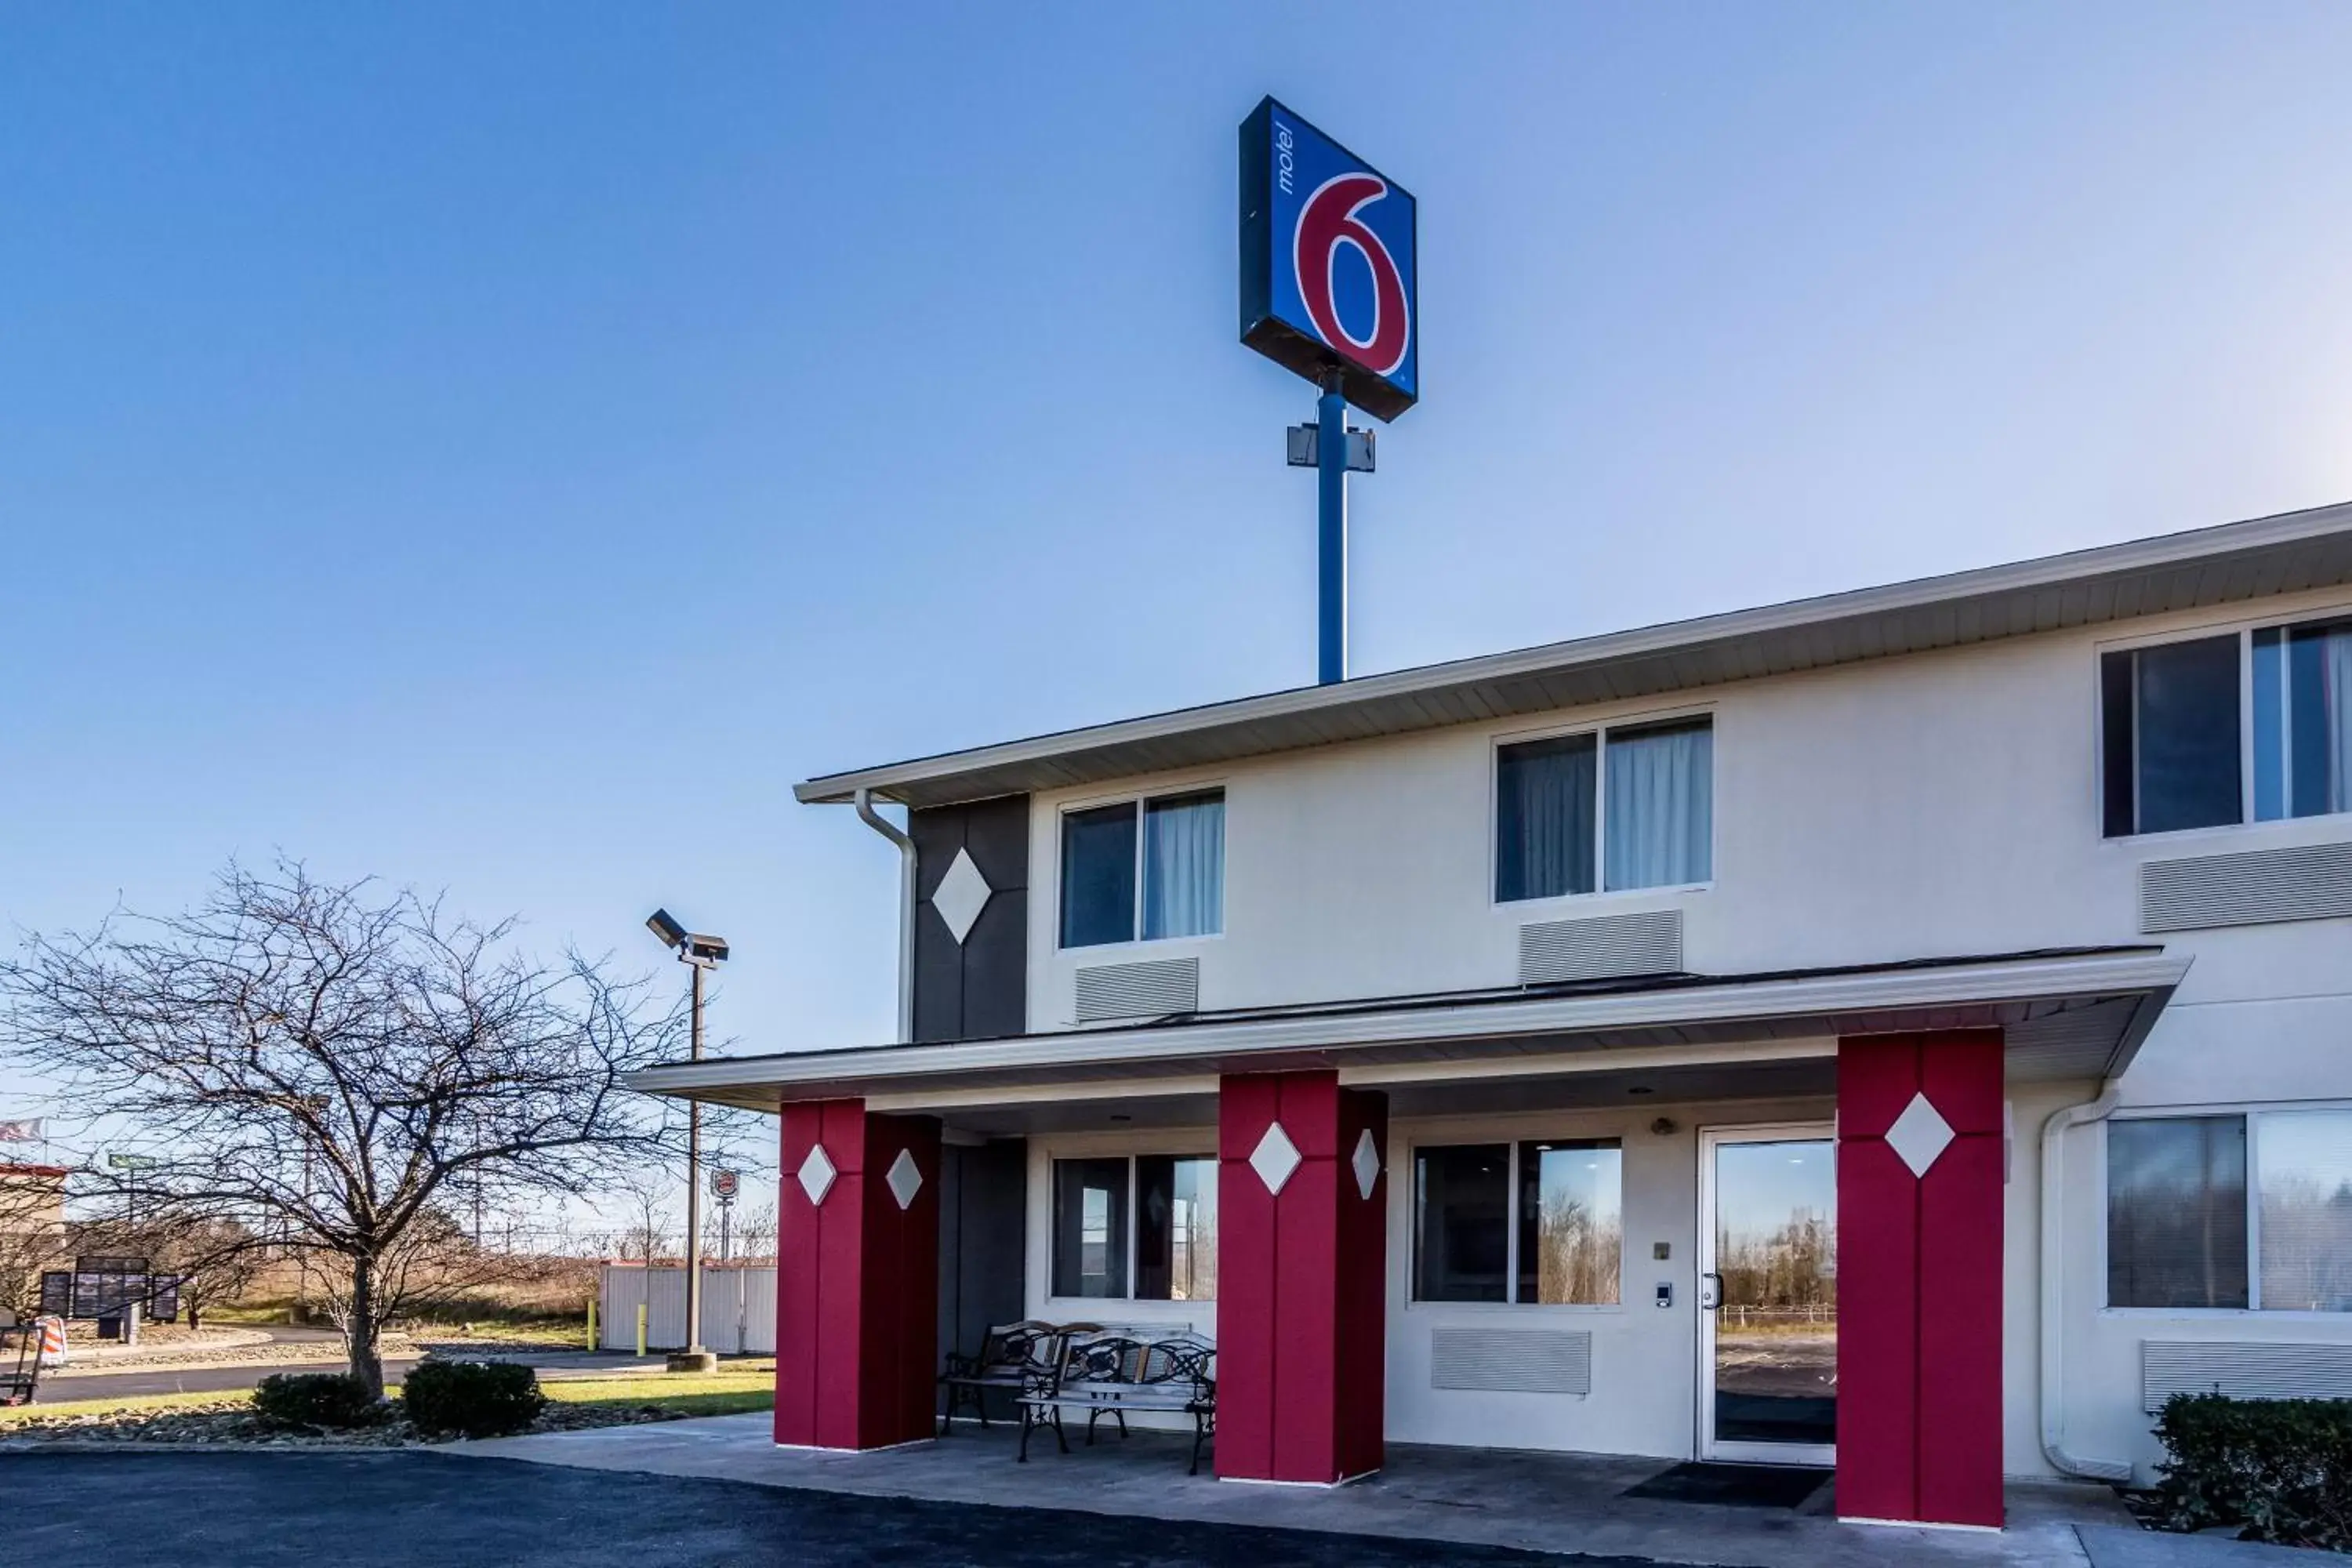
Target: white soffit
column 2122, row 990
column 2234, row 562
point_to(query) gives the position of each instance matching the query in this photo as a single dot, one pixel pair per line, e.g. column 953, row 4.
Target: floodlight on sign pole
column 698, row 952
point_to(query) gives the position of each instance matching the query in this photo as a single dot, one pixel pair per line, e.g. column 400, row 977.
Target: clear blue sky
column 504, row 448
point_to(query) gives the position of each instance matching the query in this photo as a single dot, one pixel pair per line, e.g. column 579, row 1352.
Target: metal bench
column 1009, row 1355
column 20, row 1374
column 1112, row 1373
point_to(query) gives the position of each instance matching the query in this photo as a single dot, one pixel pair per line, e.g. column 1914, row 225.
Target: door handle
column 1710, row 1292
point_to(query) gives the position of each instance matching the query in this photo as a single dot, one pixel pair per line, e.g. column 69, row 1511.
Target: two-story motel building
column 1910, row 1028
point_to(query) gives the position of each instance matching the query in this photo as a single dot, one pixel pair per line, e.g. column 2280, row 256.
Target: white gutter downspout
column 2054, row 1265
column 891, row 831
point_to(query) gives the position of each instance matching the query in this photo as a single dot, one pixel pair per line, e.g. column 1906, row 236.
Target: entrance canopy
column 2073, row 1014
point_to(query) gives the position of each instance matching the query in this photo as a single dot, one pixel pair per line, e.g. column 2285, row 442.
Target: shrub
column 311, row 1400
column 2277, row 1470
column 472, row 1398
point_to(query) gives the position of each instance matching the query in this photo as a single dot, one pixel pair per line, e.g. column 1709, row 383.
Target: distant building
column 32, row 1221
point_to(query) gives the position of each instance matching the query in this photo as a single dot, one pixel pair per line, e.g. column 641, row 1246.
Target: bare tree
column 643, row 1195
column 760, row 1235
column 337, row 1068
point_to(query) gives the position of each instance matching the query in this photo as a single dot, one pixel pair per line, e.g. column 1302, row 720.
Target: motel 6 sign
column 1328, row 263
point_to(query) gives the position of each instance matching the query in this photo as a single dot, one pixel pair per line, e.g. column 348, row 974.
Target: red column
column 858, row 1277
column 1302, row 1277
column 1919, row 1286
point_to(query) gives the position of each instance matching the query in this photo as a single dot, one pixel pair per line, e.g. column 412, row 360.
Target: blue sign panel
column 1328, row 263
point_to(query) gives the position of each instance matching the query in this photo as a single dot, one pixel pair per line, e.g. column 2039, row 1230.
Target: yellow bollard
column 592, row 1323
column 641, row 1327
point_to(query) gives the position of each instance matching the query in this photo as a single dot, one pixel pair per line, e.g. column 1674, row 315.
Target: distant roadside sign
column 132, row 1162
column 724, row 1183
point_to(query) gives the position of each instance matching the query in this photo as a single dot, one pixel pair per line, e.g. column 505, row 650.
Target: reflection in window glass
column 1571, row 1232
column 2177, row 1212
column 1461, row 1228
column 2307, row 1190
column 1090, row 1228
column 1175, row 1228
column 2303, row 720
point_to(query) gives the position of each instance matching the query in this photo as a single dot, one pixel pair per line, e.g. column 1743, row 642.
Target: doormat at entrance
column 1739, row 1486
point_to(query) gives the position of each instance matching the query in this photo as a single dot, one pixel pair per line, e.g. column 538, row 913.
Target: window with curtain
column 1624, row 808
column 1660, row 795
column 1184, row 865
column 1546, row 794
column 2177, row 1212
column 1154, row 867
column 2303, row 720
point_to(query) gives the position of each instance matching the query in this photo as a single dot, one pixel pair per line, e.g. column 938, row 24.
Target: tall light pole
column 700, row 953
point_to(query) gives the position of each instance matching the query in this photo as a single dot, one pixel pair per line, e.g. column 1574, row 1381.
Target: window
column 2177, row 1212
column 1174, row 1201
column 2180, row 1230
column 2172, row 736
column 1157, row 866
column 1624, row 808
column 2173, row 745
column 1570, row 1229
column 2303, row 720
column 1090, row 1228
column 1556, row 1204
column 2305, row 1164
column 1175, row 1228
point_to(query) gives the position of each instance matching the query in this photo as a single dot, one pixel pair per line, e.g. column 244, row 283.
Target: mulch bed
column 232, row 1421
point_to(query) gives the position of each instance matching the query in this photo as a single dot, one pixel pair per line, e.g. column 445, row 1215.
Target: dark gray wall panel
column 995, row 994
column 980, row 987
column 983, row 1223
column 996, row 833
column 938, row 977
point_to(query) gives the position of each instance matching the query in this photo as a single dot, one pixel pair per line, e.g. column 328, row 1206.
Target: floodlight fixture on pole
column 698, row 952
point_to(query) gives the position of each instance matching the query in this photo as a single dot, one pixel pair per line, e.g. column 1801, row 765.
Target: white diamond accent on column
column 816, row 1174
column 1919, row 1135
column 1275, row 1158
column 905, row 1179
column 1365, row 1164
column 961, row 894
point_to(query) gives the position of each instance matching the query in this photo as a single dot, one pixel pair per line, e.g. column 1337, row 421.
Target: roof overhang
column 2235, row 562
column 2076, row 1016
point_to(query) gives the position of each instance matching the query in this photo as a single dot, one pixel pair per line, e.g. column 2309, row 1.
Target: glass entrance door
column 1767, row 1294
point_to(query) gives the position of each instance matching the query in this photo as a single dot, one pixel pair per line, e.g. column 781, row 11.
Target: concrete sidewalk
column 1544, row 1502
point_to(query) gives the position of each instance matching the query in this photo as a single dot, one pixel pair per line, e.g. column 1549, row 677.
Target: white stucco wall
column 1941, row 804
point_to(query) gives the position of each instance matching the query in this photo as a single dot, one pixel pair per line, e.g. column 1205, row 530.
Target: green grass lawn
column 731, row 1391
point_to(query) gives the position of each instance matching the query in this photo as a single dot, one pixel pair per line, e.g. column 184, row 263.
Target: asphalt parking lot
column 375, row 1510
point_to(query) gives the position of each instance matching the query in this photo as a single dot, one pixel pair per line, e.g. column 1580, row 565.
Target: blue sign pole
column 1331, row 532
